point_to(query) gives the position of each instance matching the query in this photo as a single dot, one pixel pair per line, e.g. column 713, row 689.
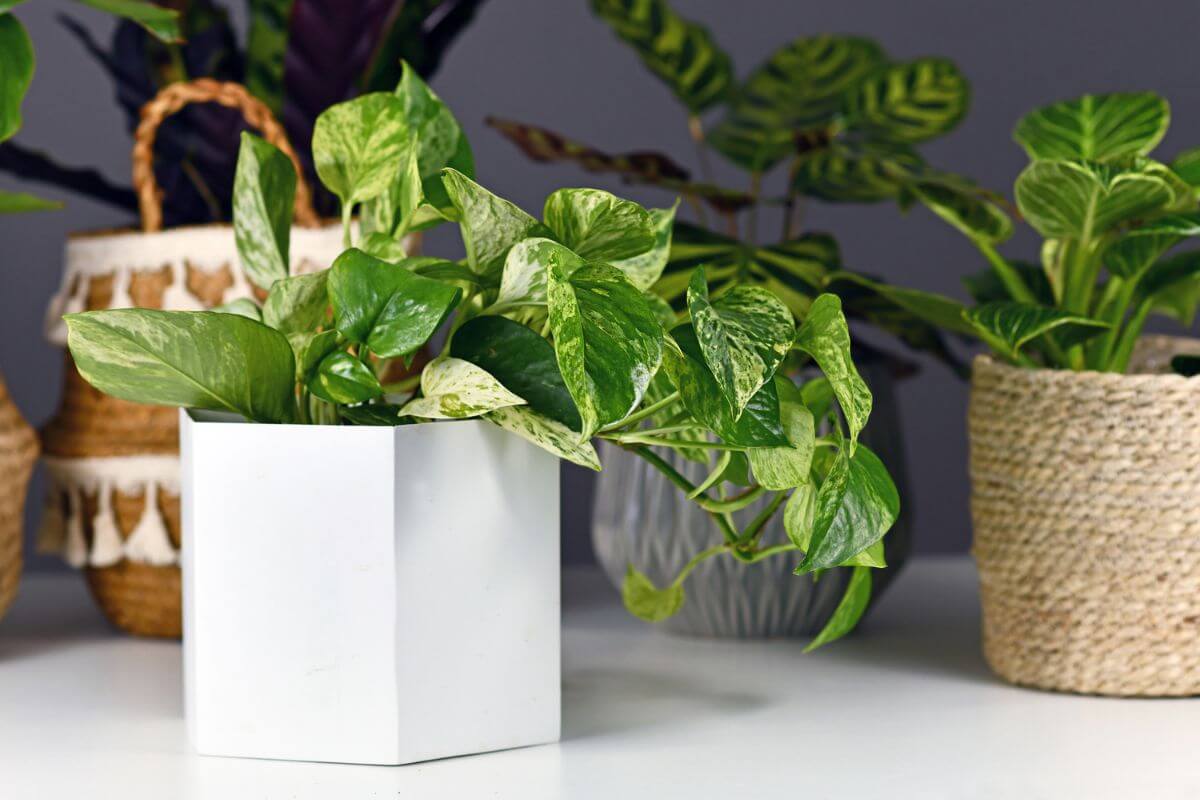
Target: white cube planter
column 371, row 595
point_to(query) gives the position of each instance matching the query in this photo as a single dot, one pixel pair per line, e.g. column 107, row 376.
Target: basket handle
column 174, row 97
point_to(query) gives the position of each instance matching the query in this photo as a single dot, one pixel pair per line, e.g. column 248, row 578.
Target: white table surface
column 905, row 709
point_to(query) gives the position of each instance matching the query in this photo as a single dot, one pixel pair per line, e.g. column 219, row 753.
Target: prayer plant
column 1110, row 215
column 838, row 116
column 544, row 329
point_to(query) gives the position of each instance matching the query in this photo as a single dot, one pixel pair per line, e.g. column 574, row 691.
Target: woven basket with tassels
column 113, row 507
column 1086, row 504
column 18, row 451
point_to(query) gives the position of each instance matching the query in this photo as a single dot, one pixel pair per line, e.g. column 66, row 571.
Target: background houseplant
column 552, row 337
column 838, row 121
column 299, row 57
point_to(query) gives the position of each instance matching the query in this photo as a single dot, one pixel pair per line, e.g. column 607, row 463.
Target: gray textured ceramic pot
column 640, row 518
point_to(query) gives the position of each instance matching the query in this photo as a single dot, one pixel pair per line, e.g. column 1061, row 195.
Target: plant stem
column 347, row 218
column 752, row 222
column 713, row 477
column 638, row 416
column 695, row 562
column 1133, row 329
column 696, row 129
column 1011, row 279
column 715, row 507
column 756, row 527
column 639, row 438
column 773, row 550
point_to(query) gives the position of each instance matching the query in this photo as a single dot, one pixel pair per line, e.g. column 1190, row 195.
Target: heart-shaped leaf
column 849, row 609
column 744, row 336
column 1105, row 127
column 868, row 506
column 599, row 226
column 490, row 225
column 909, row 103
column 343, row 379
column 242, row 307
column 452, row 388
column 1007, row 327
column 607, row 341
column 825, row 336
column 644, row 269
column 521, row 360
column 309, row 349
column 646, row 601
column 394, row 212
column 1065, row 199
column 386, row 306
column 263, row 188
column 441, row 141
column 16, row 73
column 150, row 356
column 548, row 434
column 523, row 281
column 297, row 304
column 358, row 146
column 783, row 468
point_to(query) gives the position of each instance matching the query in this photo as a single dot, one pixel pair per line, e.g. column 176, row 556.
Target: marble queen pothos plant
column 550, row 333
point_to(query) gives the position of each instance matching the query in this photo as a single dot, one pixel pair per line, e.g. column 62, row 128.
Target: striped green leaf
column 964, row 206
column 1008, row 327
column 857, row 173
column 1140, row 247
column 1067, row 199
column 909, row 103
column 681, row 53
column 1103, row 127
column 266, row 44
column 802, row 86
column 1187, row 166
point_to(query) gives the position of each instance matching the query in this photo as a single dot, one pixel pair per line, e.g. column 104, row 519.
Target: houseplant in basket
column 294, row 545
column 1083, row 473
column 827, row 118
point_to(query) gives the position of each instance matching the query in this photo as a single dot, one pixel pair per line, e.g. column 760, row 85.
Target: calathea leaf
column 1101, row 128
column 263, row 189
column 1187, row 166
column 343, row 379
column 743, row 336
column 645, row 268
column 607, row 341
column 862, row 172
column 909, row 103
column 1170, row 286
column 151, row 356
column 758, row 426
column 802, row 86
column 452, row 388
column 986, row 286
column 868, row 507
column 297, row 304
column 16, row 73
column 681, row 53
column 825, row 336
column 20, row 202
column 420, row 32
column 964, row 206
column 440, row 140
column 163, row 23
column 358, row 146
column 849, row 610
column 242, row 307
column 266, row 44
column 782, row 468
column 548, row 434
column 489, row 224
column 1140, row 247
column 599, row 226
column 524, row 278
column 1065, row 199
column 389, row 308
column 1007, row 327
column 646, row 601
column 521, row 360
column 933, row 308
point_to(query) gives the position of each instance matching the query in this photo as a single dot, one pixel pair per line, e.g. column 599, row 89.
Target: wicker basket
column 18, row 451
column 113, row 506
column 1086, row 506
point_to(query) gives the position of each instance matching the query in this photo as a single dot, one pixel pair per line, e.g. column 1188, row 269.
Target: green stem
column 1009, row 276
column 752, row 222
column 755, row 529
column 1133, row 330
column 713, row 477
column 716, row 507
column 638, row 438
column 638, row 416
column 696, row 129
column 773, row 550
column 695, row 562
column 347, row 219
column 1114, row 304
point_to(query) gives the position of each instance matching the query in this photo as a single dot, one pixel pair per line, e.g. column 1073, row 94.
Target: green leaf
column 645, row 268
column 1064, row 199
column 263, row 189
column 266, row 46
column 1171, row 286
column 359, row 146
column 1103, row 127
column 868, row 509
column 849, row 610
column 441, row 141
column 152, row 356
column 16, row 73
column 389, row 308
column 375, row 414
column 1187, row 166
column 782, row 468
column 489, row 224
column 607, row 341
column 343, row 379
column 242, row 307
column 909, row 103
column 297, row 304
column 799, row 515
column 548, row 434
column 744, row 336
column 394, row 212
column 309, row 350
column 825, row 336
column 15, row 202
column 452, row 388
column 758, row 426
column 817, row 396
column 986, row 287
column 162, row 23
column 965, row 207
column 524, row 278
column 599, row 226
column 682, row 54
column 859, row 173
column 936, row 309
column 1007, row 327
column 9, row 5
column 646, row 601
column 802, row 86
column 873, row 557
column 1136, row 250
column 521, row 360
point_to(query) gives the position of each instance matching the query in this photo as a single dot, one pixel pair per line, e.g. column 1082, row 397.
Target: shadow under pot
column 641, row 519
column 1085, row 498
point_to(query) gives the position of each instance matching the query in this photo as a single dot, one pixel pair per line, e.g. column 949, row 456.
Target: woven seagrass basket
column 113, row 506
column 18, row 451
column 1085, row 498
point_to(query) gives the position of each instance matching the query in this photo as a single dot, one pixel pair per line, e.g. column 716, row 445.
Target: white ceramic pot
column 372, row 595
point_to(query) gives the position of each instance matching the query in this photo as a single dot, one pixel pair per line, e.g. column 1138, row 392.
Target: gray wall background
column 549, row 62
